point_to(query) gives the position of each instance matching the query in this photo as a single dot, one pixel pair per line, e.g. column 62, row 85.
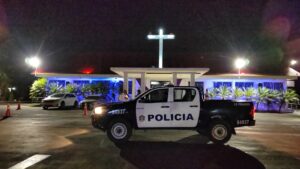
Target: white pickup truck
column 173, row 108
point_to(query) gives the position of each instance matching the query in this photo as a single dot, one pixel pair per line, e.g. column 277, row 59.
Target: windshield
column 57, row 95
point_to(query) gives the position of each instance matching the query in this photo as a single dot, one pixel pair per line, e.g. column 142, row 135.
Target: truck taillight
column 252, row 112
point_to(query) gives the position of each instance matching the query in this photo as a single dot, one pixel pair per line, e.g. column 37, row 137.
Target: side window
column 156, row 96
column 184, row 95
column 69, row 96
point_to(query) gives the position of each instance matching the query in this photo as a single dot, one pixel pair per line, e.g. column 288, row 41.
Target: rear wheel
column 62, row 105
column 220, row 132
column 45, row 107
column 119, row 130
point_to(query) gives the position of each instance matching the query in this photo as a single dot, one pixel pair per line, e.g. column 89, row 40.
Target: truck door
column 185, row 107
column 152, row 108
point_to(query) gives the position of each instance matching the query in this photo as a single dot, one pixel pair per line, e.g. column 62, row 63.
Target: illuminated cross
column 161, row 37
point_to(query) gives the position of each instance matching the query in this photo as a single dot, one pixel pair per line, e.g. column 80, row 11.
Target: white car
column 60, row 100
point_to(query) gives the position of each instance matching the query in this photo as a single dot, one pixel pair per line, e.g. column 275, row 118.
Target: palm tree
column 272, row 97
column 71, row 88
column 262, row 95
column 290, row 96
column 85, row 88
column 55, row 88
column 224, row 92
column 237, row 93
column 212, row 93
column 249, row 92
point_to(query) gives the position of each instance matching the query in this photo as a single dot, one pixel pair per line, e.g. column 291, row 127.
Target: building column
column 125, row 83
column 192, row 79
column 133, row 93
column 174, row 79
column 143, row 82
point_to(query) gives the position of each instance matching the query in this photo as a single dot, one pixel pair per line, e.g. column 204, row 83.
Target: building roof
column 66, row 75
column 249, row 76
column 166, row 73
column 159, row 73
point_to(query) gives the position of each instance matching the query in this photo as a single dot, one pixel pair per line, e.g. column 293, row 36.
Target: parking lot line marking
column 30, row 161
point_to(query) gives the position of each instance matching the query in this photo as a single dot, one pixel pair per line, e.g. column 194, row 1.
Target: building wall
column 209, row 83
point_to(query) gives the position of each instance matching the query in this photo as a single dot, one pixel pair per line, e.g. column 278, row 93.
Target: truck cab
column 173, row 108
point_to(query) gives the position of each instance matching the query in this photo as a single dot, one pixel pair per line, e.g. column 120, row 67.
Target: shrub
column 224, row 92
column 38, row 88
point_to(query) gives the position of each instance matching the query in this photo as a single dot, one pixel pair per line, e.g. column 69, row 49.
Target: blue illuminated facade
column 209, row 82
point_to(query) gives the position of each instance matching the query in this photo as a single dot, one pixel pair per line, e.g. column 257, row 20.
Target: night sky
column 73, row 35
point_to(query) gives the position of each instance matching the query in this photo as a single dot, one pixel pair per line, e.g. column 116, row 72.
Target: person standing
column 123, row 97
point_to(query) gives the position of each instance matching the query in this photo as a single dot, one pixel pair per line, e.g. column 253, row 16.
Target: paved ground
column 73, row 143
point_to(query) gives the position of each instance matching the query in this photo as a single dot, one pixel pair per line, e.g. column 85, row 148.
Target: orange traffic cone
column 8, row 113
column 19, row 106
column 85, row 110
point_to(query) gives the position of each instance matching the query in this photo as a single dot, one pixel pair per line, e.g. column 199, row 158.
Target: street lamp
column 34, row 62
column 293, row 62
column 241, row 63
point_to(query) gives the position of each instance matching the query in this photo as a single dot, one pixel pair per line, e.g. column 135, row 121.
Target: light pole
column 34, row 62
column 241, row 63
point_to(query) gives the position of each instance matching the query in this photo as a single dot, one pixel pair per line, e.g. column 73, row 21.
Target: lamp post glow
column 160, row 37
column 293, row 62
column 241, row 63
column 34, row 62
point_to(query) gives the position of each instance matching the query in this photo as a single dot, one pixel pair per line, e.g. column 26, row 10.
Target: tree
column 4, row 84
column 85, row 89
column 224, row 92
column 55, row 88
column 289, row 96
column 38, row 88
column 71, row 88
column 212, row 93
column 272, row 97
column 237, row 93
column 262, row 95
column 249, row 92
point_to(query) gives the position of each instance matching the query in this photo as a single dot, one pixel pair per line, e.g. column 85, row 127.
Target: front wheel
column 119, row 130
column 75, row 105
column 220, row 132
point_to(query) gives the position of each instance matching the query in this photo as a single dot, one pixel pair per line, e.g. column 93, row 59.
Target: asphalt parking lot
column 71, row 142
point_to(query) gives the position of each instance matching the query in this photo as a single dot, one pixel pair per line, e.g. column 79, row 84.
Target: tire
column 119, row 130
column 45, row 107
column 219, row 132
column 62, row 105
column 75, row 105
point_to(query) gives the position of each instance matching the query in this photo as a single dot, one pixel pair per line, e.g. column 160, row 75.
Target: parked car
column 95, row 99
column 60, row 100
column 174, row 108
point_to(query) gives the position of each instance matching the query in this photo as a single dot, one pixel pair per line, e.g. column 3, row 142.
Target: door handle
column 165, row 106
column 193, row 105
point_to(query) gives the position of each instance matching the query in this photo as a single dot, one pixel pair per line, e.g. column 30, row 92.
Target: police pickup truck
column 173, row 108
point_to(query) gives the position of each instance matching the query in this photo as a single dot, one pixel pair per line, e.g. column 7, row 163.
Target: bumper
column 252, row 123
column 98, row 121
column 50, row 104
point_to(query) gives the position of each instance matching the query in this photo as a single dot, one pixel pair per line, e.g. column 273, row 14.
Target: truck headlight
column 99, row 110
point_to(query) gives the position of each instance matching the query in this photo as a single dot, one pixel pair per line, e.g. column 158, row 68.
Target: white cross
column 161, row 37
